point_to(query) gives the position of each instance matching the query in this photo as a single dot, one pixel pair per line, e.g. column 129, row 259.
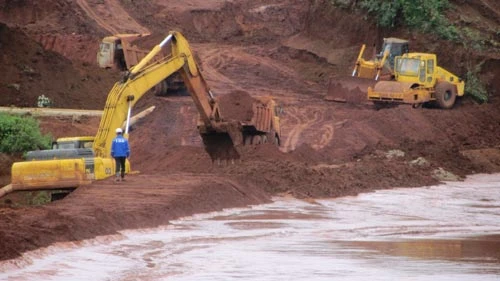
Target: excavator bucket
column 219, row 146
column 349, row 90
column 222, row 145
column 243, row 120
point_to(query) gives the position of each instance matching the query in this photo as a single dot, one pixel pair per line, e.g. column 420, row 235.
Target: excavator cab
column 73, row 143
column 384, row 60
column 394, row 47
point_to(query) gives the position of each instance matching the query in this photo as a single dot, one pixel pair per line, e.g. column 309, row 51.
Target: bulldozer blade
column 349, row 90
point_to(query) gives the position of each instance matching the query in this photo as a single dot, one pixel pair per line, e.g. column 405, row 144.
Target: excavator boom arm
column 69, row 169
column 142, row 78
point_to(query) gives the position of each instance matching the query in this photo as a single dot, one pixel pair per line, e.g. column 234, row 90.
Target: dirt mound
column 237, row 105
column 491, row 70
column 46, row 17
column 30, row 71
column 221, row 21
column 59, row 26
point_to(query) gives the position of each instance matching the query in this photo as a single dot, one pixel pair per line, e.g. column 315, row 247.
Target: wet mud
column 399, row 233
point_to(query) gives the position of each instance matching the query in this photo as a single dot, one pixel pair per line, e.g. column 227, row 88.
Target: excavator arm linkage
column 216, row 133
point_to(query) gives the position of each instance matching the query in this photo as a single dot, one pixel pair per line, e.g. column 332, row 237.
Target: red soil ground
column 288, row 49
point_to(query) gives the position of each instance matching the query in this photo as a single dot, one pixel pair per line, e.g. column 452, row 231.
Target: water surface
column 445, row 232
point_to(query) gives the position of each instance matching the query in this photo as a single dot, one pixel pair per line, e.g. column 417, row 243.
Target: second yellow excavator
column 59, row 169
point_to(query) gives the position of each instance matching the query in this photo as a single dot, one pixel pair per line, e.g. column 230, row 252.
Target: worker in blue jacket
column 120, row 151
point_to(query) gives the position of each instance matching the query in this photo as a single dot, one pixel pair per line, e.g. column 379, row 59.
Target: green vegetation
column 473, row 85
column 20, row 134
column 472, row 39
column 425, row 16
column 342, row 3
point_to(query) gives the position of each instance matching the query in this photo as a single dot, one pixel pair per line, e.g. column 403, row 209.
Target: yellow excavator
column 418, row 80
column 71, row 167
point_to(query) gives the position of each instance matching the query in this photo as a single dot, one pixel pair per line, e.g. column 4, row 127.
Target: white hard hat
column 119, row 130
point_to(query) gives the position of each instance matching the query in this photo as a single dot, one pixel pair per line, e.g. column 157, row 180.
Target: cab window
column 409, row 67
column 104, row 47
column 66, row 145
column 430, row 66
column 87, row 144
column 422, row 71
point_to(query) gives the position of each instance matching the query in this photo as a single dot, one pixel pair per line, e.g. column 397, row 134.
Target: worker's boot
column 117, row 178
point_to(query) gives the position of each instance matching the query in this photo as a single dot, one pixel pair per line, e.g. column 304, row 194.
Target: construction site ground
column 288, row 49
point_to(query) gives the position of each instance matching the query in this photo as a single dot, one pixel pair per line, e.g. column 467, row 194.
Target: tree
column 21, row 134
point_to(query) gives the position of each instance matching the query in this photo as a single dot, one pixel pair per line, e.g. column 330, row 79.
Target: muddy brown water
column 445, row 232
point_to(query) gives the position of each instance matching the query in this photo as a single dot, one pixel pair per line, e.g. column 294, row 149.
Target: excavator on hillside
column 56, row 169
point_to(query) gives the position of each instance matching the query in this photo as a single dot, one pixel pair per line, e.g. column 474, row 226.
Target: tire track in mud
column 230, row 68
column 116, row 21
column 214, row 59
column 307, row 125
column 492, row 6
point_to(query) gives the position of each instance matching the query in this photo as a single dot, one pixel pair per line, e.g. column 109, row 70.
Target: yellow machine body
column 418, row 80
column 59, row 173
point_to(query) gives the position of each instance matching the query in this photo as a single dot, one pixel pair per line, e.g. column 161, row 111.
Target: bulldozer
column 75, row 161
column 384, row 60
column 418, row 80
column 367, row 72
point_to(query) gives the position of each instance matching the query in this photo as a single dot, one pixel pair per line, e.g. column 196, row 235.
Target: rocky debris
column 420, row 161
column 443, row 175
column 394, row 153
